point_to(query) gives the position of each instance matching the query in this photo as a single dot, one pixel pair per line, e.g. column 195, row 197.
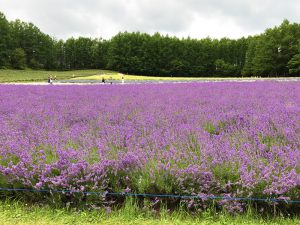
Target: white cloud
column 194, row 18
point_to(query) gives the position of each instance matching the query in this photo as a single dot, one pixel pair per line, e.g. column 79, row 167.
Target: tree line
column 276, row 52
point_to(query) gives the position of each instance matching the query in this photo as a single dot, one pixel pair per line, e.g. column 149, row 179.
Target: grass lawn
column 24, row 76
column 42, row 75
column 118, row 76
column 17, row 213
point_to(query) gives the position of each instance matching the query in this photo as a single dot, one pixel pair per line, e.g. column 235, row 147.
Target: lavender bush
column 208, row 139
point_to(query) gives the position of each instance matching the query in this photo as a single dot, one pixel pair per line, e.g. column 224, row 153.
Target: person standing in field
column 51, row 79
column 123, row 81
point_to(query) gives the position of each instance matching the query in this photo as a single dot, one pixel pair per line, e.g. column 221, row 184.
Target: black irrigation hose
column 154, row 195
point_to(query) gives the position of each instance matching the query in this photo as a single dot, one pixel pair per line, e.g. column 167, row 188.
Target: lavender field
column 208, row 139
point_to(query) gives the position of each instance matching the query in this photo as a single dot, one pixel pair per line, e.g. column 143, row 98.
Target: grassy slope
column 16, row 213
column 42, row 75
column 118, row 76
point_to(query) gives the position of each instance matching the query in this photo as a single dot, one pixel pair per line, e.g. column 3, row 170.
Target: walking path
column 98, row 82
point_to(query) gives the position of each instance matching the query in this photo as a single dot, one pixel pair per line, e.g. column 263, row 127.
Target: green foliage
column 193, row 145
column 274, row 49
column 3, row 180
column 210, row 128
column 248, row 69
column 4, row 41
column 156, row 183
column 259, row 187
column 9, row 158
column 224, row 69
column 270, row 141
column 18, row 59
column 37, row 46
column 294, row 63
column 226, row 172
column 218, row 128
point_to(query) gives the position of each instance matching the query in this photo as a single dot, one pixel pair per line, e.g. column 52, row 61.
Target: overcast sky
column 182, row 18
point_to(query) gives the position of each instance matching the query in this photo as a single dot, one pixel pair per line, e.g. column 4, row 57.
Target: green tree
column 273, row 50
column 38, row 46
column 266, row 52
column 18, row 58
column 248, row 67
column 4, row 41
column 294, row 65
column 224, row 69
column 99, row 51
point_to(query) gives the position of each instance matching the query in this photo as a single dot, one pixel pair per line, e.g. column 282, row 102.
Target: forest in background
column 276, row 52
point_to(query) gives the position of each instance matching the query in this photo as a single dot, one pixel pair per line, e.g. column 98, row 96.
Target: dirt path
column 92, row 82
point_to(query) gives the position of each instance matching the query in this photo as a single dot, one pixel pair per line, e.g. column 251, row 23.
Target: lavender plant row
column 215, row 139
